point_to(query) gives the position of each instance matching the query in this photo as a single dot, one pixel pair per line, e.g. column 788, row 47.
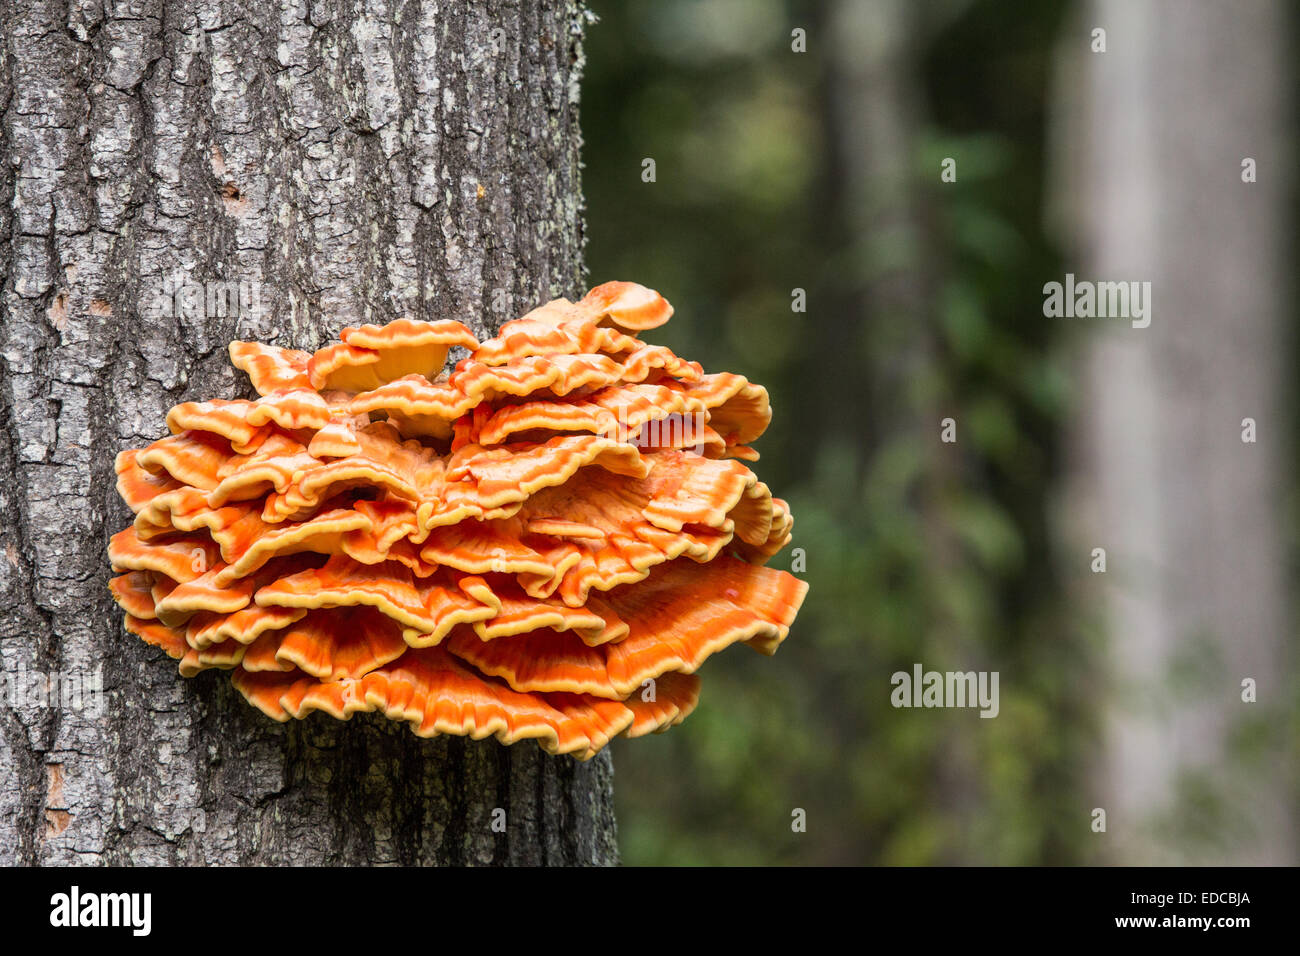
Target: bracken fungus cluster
column 545, row 543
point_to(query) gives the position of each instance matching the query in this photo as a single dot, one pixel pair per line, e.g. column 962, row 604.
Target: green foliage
column 917, row 551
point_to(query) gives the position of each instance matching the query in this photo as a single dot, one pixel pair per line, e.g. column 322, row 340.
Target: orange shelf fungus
column 546, row 542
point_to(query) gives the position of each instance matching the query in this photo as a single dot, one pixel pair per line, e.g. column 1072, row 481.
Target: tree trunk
column 878, row 111
column 1195, row 593
column 345, row 161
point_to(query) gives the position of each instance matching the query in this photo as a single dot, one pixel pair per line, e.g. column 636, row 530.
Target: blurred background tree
column 781, row 173
column 1175, row 164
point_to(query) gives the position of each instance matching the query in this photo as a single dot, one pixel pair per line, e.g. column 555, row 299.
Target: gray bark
column 1195, row 596
column 352, row 161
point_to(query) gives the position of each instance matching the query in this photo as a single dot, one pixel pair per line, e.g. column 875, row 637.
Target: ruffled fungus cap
column 547, row 542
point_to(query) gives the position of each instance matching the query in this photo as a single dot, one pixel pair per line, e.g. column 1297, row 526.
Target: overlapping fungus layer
column 545, row 543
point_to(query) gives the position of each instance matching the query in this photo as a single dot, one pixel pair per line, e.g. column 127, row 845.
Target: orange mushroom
column 547, row 542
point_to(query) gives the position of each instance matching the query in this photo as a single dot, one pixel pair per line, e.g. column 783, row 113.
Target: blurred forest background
column 819, row 171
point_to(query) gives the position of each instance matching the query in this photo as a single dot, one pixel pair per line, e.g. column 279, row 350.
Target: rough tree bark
column 349, row 161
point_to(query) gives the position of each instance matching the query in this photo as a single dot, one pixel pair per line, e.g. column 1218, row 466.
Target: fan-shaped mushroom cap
column 372, row 355
column 546, row 543
column 628, row 305
column 270, row 368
